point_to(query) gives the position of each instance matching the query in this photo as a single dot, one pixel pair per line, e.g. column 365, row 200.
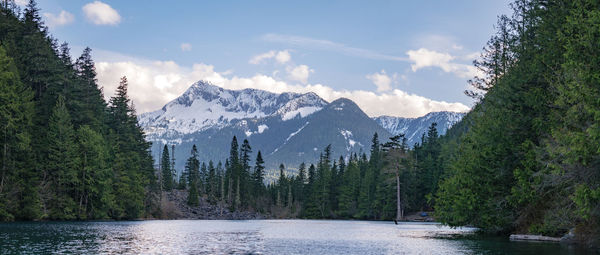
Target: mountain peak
column 344, row 104
column 414, row 128
column 204, row 105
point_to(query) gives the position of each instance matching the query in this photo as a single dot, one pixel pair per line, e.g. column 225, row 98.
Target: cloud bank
column 154, row 83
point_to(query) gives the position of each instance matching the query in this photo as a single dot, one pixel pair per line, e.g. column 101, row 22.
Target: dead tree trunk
column 399, row 211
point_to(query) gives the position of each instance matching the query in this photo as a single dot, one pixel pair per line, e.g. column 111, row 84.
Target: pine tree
column 310, row 206
column 95, row 197
column 349, row 190
column 202, row 183
column 87, row 95
column 132, row 162
column 244, row 175
column 192, row 167
column 299, row 183
column 165, row 165
column 232, row 165
column 61, row 164
column 212, row 183
column 258, row 175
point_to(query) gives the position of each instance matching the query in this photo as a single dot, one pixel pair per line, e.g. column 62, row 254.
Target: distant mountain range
column 288, row 128
column 414, row 128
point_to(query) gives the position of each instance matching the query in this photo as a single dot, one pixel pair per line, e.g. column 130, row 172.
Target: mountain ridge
column 288, row 128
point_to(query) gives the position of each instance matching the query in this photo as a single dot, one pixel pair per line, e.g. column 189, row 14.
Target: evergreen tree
column 95, row 197
column 61, row 165
column 87, row 95
column 192, row 167
column 165, row 165
column 132, row 162
column 202, row 183
column 299, row 184
column 244, row 177
column 258, row 175
column 349, row 190
column 212, row 183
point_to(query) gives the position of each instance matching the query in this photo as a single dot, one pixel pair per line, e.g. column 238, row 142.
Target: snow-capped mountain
column 414, row 128
column 205, row 106
column 288, row 128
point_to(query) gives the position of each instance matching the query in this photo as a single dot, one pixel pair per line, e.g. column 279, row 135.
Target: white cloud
column 154, row 83
column 63, row 18
column 22, row 2
column 422, row 58
column 283, row 56
column 299, row 73
column 259, row 58
column 100, row 13
column 381, row 80
column 280, row 56
column 185, row 47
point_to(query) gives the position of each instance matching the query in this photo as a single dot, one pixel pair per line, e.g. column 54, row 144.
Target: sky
column 395, row 58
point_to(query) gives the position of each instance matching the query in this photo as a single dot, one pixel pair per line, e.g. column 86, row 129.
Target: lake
column 257, row 237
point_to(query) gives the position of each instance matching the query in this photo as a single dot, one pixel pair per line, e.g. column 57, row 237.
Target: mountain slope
column 204, row 106
column 414, row 128
column 341, row 123
column 288, row 128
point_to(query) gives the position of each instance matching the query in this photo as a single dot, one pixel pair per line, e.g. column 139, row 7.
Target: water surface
column 256, row 237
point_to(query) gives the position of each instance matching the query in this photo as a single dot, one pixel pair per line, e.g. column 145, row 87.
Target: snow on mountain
column 288, row 128
column 205, row 106
column 414, row 128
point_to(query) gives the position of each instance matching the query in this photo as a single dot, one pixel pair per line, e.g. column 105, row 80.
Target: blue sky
column 391, row 57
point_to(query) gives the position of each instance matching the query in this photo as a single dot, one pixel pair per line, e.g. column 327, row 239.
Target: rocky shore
column 175, row 206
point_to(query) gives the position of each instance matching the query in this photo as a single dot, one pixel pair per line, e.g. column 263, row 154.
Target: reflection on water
column 255, row 237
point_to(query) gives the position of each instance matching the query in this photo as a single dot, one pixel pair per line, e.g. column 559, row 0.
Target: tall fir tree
column 165, row 166
column 61, row 165
column 192, row 167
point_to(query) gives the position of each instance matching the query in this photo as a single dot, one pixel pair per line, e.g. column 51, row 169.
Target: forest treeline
column 351, row 187
column 64, row 152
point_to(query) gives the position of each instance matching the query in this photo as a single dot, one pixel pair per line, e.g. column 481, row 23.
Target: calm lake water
column 256, row 237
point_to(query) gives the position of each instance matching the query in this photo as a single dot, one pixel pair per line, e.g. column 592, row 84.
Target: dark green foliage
column 16, row 112
column 61, row 166
column 192, row 168
column 166, row 172
column 258, row 175
column 65, row 154
column 94, row 194
column 132, row 163
column 526, row 158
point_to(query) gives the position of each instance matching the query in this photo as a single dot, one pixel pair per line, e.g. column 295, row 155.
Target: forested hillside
column 65, row 154
column 527, row 157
